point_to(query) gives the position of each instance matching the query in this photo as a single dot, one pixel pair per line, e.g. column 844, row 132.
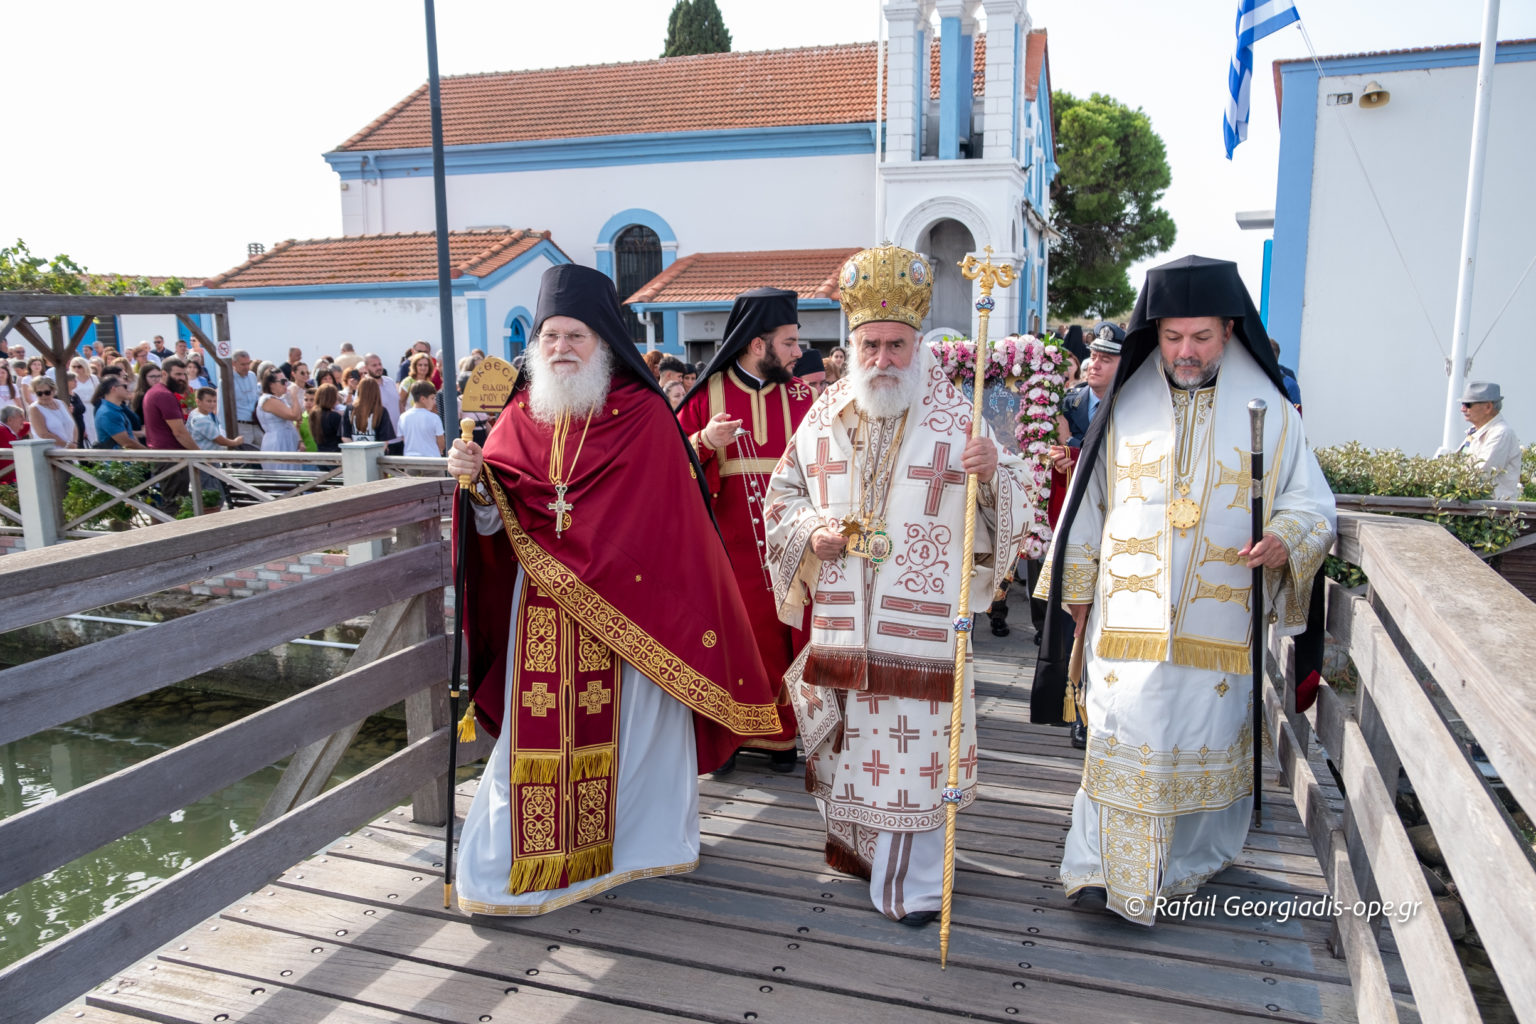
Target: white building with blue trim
column 630, row 167
column 1360, row 286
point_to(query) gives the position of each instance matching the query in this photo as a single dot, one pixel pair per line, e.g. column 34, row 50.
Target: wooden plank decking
column 763, row 930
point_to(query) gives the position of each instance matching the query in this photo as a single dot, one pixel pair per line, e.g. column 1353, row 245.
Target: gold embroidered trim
column 590, row 763
column 1221, row 592
column 1134, row 584
column 1135, row 545
column 570, row 896
column 1126, row 645
column 542, row 768
column 1136, row 469
column 631, row 643
column 1213, row 655
column 1216, row 553
column 1241, row 477
column 1167, row 782
column 743, row 467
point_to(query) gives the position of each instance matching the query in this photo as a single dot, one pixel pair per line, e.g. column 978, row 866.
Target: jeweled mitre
column 886, row 283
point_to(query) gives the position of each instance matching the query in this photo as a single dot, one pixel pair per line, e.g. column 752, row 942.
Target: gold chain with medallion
column 1191, row 409
column 558, row 475
column 866, row 532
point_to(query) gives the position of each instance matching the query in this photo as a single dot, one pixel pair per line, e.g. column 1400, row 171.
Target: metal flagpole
column 988, row 276
column 466, row 523
column 1451, row 437
column 1256, row 410
column 880, row 59
column 448, row 401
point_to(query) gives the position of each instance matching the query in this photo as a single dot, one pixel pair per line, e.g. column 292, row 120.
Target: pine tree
column 696, row 26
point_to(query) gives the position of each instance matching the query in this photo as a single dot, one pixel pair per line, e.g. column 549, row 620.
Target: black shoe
column 1037, row 638
column 725, row 769
column 782, row 761
column 1000, row 627
column 1092, row 897
column 1079, row 735
column 919, row 918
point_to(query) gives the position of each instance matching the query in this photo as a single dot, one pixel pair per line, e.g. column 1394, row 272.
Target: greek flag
column 1255, row 20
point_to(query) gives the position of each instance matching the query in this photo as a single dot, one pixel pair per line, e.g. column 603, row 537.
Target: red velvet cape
column 641, row 564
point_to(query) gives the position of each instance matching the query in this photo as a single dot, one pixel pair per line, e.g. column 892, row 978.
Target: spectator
column 676, row 392
column 369, row 420
column 670, row 369
column 50, row 418
column 197, row 376
column 1292, row 385
column 836, row 364
column 410, row 353
column 116, row 425
column 348, row 358
column 307, row 441
column 13, row 427
column 182, row 351
column 247, row 391
column 811, row 368
column 157, row 352
column 350, row 381
column 295, row 356
column 299, row 374
column 82, row 386
column 328, row 375
column 653, row 362
column 1490, row 440
column 165, row 426
column 97, row 363
column 203, row 424
column 36, row 368
column 150, row 374
column 420, row 425
column 373, row 366
column 325, row 423
column 281, row 405
column 420, row 370
column 10, row 390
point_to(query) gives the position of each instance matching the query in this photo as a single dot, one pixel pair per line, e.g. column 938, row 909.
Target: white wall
column 712, row 206
column 144, row 328
column 1370, row 368
column 266, row 328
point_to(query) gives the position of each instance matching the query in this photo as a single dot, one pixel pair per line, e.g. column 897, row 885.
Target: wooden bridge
column 268, row 931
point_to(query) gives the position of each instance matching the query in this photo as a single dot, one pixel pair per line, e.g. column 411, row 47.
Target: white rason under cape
column 656, row 827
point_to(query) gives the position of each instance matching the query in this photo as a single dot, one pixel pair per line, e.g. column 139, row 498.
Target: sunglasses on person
column 42, row 392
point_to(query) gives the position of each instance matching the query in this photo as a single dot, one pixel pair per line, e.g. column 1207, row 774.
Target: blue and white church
column 687, row 179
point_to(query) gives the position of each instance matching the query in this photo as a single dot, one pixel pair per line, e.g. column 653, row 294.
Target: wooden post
column 226, row 367
column 360, row 465
column 36, row 494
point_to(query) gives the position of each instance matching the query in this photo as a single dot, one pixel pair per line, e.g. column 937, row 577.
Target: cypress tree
column 696, row 26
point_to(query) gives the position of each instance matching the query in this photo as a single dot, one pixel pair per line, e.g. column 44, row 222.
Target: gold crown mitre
column 886, row 283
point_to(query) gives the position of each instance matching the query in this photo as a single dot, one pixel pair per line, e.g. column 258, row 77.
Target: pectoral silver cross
column 562, row 510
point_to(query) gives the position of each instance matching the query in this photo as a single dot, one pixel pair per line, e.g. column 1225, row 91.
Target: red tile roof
column 721, row 276
column 705, row 92
column 364, row 259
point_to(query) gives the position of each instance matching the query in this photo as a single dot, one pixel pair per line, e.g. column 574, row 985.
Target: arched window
column 946, row 243
column 637, row 259
column 515, row 332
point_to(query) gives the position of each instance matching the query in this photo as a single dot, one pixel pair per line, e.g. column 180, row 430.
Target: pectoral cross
column 562, row 510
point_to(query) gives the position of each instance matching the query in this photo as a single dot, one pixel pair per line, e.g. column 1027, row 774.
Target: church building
column 688, row 179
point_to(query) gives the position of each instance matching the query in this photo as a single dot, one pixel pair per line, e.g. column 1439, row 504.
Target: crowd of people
column 816, row 369
column 151, row 396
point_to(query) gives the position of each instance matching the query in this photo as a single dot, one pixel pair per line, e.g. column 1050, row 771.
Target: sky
column 160, row 138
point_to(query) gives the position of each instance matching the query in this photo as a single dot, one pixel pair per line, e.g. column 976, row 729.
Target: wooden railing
column 1432, row 609
column 403, row 657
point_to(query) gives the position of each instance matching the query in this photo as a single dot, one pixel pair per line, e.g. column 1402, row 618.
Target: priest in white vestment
column 610, row 680
column 865, row 514
column 1153, row 556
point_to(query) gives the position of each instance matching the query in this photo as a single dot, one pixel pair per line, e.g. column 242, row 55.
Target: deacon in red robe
column 740, row 416
column 610, row 678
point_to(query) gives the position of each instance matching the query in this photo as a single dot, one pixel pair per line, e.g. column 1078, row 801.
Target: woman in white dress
column 84, row 384
column 278, row 411
column 50, row 418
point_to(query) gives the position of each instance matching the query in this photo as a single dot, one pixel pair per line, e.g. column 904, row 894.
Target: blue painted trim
column 1269, row 255
column 672, row 332
column 1016, row 95
column 949, row 73
column 1461, row 56
column 707, row 307
column 465, row 285
column 1293, row 209
column 474, row 310
column 920, row 93
column 628, row 218
column 517, row 328
column 612, row 151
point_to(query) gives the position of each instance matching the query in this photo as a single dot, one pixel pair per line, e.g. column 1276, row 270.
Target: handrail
column 1430, row 506
column 403, row 656
column 1432, row 603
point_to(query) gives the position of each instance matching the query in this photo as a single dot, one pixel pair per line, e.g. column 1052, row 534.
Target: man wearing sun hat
column 1491, row 441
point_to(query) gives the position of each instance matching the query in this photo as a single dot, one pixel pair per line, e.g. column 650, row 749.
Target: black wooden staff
column 465, row 518
column 1256, row 409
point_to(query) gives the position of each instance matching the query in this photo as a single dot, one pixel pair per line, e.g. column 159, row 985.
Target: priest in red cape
column 740, row 417
column 610, row 677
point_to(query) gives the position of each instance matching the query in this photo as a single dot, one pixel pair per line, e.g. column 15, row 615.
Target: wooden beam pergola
column 56, row 349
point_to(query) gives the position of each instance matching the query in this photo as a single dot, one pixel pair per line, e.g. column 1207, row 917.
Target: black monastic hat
column 755, row 313
column 810, row 362
column 1074, row 343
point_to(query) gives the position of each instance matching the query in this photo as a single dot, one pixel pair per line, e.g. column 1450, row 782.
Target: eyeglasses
column 42, row 392
column 554, row 338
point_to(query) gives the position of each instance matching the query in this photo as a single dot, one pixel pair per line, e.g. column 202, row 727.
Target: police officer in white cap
column 1491, row 441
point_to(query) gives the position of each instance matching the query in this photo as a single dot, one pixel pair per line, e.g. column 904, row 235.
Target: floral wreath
column 1031, row 367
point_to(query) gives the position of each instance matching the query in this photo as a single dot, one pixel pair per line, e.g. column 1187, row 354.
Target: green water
column 39, row 768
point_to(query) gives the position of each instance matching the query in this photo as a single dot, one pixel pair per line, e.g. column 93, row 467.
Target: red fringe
column 840, row 858
column 810, row 774
column 906, row 677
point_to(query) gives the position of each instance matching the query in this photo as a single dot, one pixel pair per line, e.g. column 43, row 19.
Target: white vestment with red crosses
column 872, row 689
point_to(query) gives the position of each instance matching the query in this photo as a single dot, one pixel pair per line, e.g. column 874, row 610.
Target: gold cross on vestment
column 595, row 697
column 1136, row 469
column 1241, row 478
column 562, row 510
column 539, row 700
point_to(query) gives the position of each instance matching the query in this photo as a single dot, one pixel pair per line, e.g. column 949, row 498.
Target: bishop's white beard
column 896, row 392
column 552, row 395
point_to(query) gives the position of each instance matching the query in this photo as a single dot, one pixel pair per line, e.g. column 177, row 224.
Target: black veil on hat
column 588, row 295
column 1190, row 286
column 754, row 313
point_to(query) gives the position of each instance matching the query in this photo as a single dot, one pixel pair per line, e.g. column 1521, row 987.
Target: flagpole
column 448, row 398
column 880, row 49
column 1452, row 435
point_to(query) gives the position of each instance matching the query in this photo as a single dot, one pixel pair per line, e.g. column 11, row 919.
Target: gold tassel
column 1123, row 645
column 592, row 763
column 467, row 725
column 544, row 768
column 535, row 874
column 591, row 862
column 1216, row 657
column 1069, row 703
